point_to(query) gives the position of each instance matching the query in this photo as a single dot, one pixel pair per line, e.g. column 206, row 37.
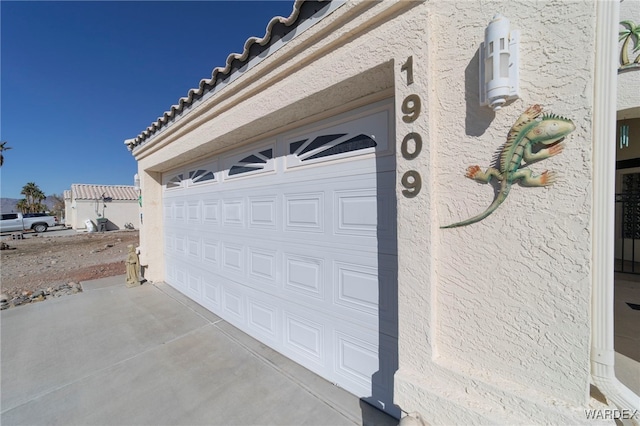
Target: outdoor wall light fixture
column 136, row 182
column 499, row 64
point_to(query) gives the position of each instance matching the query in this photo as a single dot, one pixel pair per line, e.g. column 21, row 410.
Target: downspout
column 604, row 158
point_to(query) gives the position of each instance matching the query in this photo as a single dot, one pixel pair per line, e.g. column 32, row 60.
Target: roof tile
column 96, row 192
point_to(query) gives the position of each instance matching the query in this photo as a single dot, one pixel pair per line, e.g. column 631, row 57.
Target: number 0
column 404, row 147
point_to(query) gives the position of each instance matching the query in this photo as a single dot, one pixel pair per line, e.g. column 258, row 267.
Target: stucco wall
column 506, row 301
column 494, row 318
column 67, row 212
column 151, row 230
column 119, row 213
column 513, row 290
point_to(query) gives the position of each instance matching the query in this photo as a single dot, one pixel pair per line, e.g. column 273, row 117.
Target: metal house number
column 412, row 143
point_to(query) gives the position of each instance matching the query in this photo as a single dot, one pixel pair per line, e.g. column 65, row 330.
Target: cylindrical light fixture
column 498, row 64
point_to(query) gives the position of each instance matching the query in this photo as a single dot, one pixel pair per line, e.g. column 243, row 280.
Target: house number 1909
column 412, row 143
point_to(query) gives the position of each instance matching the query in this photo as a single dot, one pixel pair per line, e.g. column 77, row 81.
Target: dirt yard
column 39, row 262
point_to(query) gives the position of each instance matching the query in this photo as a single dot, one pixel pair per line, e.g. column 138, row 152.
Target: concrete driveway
column 150, row 356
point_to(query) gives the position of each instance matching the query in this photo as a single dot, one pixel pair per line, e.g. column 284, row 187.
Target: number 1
column 408, row 67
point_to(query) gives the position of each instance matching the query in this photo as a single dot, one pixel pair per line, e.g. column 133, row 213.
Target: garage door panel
column 352, row 309
column 233, row 303
column 356, row 359
column 304, row 338
column 263, row 213
column 193, row 212
column 262, row 265
column 304, row 212
column 180, row 278
column 263, row 319
column 304, row 275
column 357, row 213
column 353, row 224
column 232, row 259
column 180, row 245
column 211, row 297
column 210, row 253
column 286, row 239
column 309, row 275
column 355, row 286
column 194, row 287
column 233, row 213
column 332, row 282
column 193, row 248
column 210, row 212
column 179, row 211
column 306, row 285
column 298, row 251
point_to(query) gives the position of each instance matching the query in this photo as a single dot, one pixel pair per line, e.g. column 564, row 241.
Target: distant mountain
column 8, row 205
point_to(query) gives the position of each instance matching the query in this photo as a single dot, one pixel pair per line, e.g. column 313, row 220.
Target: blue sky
column 78, row 78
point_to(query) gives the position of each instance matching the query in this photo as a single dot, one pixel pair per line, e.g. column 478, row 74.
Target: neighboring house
column 300, row 192
column 117, row 203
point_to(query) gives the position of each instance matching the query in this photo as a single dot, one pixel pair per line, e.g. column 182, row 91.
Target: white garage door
column 293, row 241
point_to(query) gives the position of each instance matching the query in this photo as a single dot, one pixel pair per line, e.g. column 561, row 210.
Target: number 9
column 411, row 108
column 412, row 181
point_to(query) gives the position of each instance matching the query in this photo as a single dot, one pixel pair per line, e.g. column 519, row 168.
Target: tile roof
column 67, row 194
column 93, row 192
column 276, row 30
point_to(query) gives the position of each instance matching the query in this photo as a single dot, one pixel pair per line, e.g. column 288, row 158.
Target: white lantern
column 499, row 64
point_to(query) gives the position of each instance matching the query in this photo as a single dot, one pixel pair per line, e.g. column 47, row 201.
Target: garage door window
column 175, row 182
column 201, row 176
column 340, row 141
column 258, row 161
column 329, row 145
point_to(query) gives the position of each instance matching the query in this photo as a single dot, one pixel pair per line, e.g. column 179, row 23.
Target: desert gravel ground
column 38, row 262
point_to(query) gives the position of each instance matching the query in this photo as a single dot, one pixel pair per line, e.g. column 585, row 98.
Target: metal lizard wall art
column 530, row 129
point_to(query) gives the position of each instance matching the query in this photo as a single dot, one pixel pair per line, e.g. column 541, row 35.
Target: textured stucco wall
column 494, row 319
column 513, row 291
column 119, row 213
column 505, row 302
column 151, row 229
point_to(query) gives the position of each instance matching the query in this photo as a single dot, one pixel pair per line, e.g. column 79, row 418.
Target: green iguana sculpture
column 530, row 129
